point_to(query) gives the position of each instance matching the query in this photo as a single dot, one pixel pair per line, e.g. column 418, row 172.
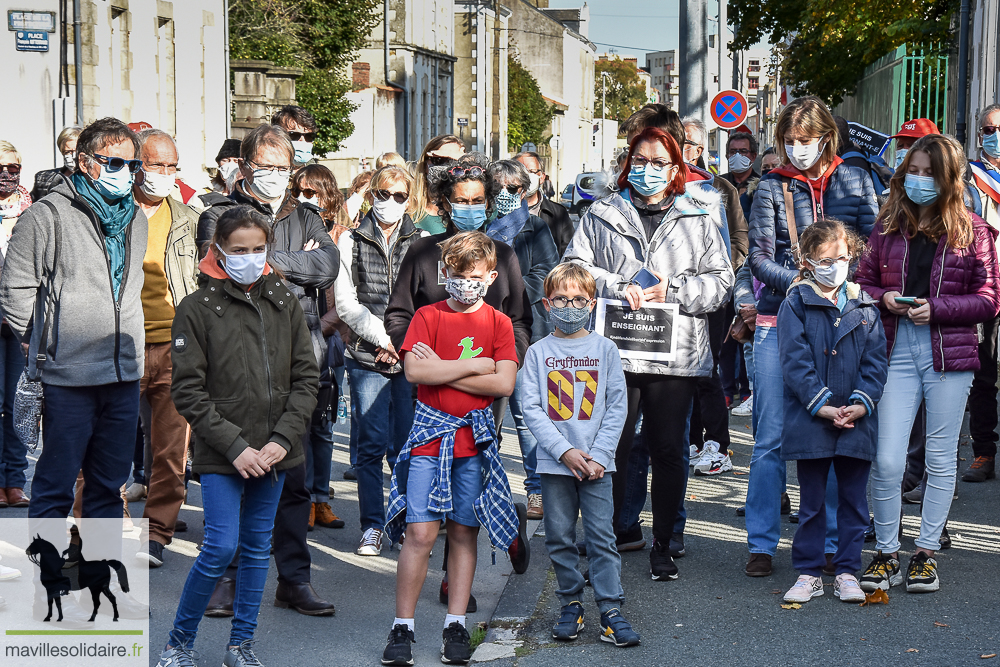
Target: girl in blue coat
column 833, row 358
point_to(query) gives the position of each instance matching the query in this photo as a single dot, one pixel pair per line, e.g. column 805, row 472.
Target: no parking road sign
column 729, row 109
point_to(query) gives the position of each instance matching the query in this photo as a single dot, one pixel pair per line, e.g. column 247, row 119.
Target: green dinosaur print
column 467, row 351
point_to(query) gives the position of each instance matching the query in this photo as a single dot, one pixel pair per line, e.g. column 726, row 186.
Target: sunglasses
column 513, row 189
column 116, row 163
column 302, row 136
column 437, row 160
column 990, row 129
column 398, row 197
column 308, row 193
column 12, row 169
column 471, row 172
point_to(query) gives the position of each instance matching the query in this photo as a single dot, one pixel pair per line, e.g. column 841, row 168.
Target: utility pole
column 692, row 52
column 604, row 113
column 720, row 41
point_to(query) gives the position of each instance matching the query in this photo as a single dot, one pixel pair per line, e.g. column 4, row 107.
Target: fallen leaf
column 961, row 459
column 912, row 650
column 775, row 592
column 718, row 597
column 986, row 656
column 941, row 625
column 793, row 605
column 879, row 596
column 736, row 472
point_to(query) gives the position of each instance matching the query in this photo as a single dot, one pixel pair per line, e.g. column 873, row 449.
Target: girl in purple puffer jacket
column 932, row 266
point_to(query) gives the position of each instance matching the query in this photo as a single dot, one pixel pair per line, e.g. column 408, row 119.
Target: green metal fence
column 907, row 83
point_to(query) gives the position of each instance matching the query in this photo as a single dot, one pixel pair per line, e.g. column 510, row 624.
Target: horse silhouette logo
column 95, row 575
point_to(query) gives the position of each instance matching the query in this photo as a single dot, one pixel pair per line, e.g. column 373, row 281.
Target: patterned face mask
column 8, row 183
column 466, row 290
column 507, row 203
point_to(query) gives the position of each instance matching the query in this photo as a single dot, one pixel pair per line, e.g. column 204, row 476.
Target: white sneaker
column 744, row 409
column 694, row 456
column 805, row 588
column 846, row 587
column 710, row 449
column 9, row 573
column 716, row 466
column 135, row 492
column 371, row 543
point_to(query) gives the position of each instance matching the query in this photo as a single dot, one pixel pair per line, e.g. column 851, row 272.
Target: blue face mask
column 569, row 320
column 920, row 189
column 648, row 181
column 114, row 184
column 507, row 203
column 468, row 217
column 991, row 144
column 303, row 151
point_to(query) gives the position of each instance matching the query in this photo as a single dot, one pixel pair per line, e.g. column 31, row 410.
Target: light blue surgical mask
column 468, row 217
column 921, row 190
column 900, row 154
column 507, row 203
column 648, row 181
column 991, row 144
column 303, row 151
column 114, row 184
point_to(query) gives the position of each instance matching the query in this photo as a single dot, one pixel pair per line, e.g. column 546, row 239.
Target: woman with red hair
column 650, row 228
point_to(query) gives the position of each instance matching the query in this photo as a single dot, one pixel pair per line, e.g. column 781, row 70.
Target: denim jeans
column 319, row 461
column 13, row 453
column 565, row 496
column 91, row 429
column 382, row 406
column 911, row 378
column 748, row 360
column 849, row 477
column 527, row 441
column 228, row 525
column 339, row 372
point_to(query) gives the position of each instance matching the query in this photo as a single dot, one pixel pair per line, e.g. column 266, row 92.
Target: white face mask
column 69, row 160
column 269, row 186
column 156, row 186
column 244, row 269
column 900, row 154
column 388, row 211
column 303, row 151
column 226, row 169
column 803, row 157
column 309, row 200
column 534, row 180
column 831, row 276
column 739, row 163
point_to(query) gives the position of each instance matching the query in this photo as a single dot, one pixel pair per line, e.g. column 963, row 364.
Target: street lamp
column 604, row 112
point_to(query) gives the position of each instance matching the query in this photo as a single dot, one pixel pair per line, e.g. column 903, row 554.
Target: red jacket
column 965, row 288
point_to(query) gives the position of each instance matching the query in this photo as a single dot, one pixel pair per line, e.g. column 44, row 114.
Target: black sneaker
column 921, row 574
column 397, row 647
column 456, row 647
column 630, row 540
column 519, row 552
column 945, row 538
column 153, row 553
column 677, row 545
column 883, row 572
column 470, row 608
column 661, row 565
column 870, row 530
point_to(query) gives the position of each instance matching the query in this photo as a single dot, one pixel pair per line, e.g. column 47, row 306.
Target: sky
column 628, row 28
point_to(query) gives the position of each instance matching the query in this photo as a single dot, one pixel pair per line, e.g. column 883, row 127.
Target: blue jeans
column 91, row 429
column 911, row 378
column 230, row 525
column 319, row 461
column 532, row 484
column 816, row 477
column 382, row 406
column 748, row 359
column 564, row 497
column 13, row 453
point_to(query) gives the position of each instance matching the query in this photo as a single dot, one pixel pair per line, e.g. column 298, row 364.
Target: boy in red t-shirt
column 461, row 354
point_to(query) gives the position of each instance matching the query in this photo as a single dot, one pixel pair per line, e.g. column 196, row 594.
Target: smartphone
column 907, row 300
column 645, row 278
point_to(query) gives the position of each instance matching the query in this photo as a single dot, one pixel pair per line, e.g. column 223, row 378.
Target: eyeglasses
column 437, row 160
column 642, row 162
column 827, row 262
column 12, row 169
column 578, row 302
column 116, row 163
column 398, row 197
column 302, row 136
column 741, row 151
column 470, row 172
column 269, row 168
column 513, row 189
column 688, row 142
column 990, row 129
column 309, row 193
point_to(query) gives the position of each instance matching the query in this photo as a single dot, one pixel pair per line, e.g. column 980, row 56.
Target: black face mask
column 765, row 172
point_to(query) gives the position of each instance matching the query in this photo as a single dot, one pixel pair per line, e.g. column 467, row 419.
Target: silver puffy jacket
column 687, row 246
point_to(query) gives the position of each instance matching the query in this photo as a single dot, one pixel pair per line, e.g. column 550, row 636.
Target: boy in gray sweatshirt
column 574, row 400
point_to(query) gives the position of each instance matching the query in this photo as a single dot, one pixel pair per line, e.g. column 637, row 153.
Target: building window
column 754, row 65
column 753, row 84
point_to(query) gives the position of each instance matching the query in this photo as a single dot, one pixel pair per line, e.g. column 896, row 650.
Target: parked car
column 589, row 185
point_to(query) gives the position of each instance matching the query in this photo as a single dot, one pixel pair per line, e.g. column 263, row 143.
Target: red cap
column 140, row 126
column 916, row 128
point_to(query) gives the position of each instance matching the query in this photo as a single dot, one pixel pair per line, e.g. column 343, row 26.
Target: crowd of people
column 850, row 308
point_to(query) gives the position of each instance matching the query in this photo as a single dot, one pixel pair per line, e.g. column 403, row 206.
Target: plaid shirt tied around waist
column 494, row 507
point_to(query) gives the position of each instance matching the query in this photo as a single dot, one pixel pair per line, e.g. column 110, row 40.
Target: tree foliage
column 827, row 44
column 527, row 112
column 623, row 92
column 321, row 37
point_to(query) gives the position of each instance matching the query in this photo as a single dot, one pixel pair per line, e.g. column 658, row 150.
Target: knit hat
column 230, row 148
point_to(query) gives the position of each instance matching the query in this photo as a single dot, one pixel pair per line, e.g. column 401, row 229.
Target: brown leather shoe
column 221, row 603
column 17, row 498
column 312, row 516
column 325, row 516
column 3, row 498
column 759, row 565
column 303, row 599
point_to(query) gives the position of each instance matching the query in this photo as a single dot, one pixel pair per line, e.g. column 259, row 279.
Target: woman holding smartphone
column 932, row 266
column 651, row 243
